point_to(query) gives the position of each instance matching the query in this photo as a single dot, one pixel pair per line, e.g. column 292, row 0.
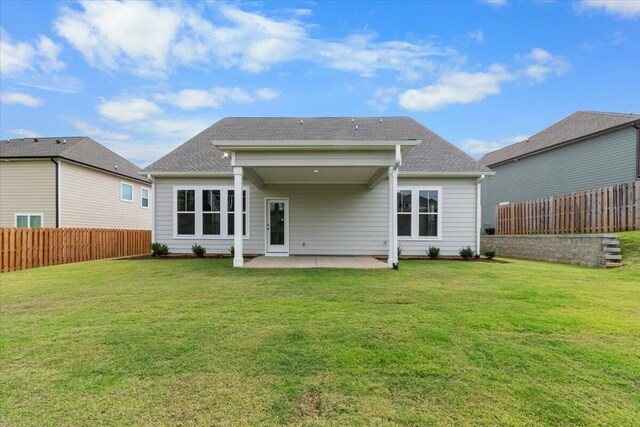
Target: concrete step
column 612, row 256
column 611, row 242
column 612, row 250
column 611, row 264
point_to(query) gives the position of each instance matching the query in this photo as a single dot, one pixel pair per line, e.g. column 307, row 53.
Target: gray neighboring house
column 585, row 150
column 70, row 182
column 317, row 186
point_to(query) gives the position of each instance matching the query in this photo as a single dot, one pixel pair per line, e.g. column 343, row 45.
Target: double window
column 419, row 213
column 29, row 220
column 207, row 212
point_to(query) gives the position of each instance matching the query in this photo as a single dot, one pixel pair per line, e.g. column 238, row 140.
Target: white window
column 144, row 197
column 207, row 212
column 29, row 220
column 126, row 192
column 419, row 213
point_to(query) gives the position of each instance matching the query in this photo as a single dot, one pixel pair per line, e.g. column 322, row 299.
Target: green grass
column 196, row 342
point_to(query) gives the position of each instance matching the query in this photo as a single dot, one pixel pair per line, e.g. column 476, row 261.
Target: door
column 277, row 223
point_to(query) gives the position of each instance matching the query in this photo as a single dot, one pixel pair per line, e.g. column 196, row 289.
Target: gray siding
column 328, row 219
column 597, row 162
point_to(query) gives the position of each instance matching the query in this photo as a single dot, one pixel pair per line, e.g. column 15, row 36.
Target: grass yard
column 196, row 342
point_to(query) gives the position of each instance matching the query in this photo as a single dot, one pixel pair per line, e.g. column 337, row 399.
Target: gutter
column 57, row 163
column 478, row 211
column 153, row 208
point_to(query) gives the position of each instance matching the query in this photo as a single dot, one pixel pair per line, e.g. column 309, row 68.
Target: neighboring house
column 317, row 186
column 70, row 182
column 586, row 150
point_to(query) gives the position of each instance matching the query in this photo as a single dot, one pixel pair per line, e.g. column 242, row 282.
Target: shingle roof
column 79, row 149
column 434, row 154
column 577, row 125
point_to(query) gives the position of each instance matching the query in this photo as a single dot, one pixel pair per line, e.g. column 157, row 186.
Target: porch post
column 238, row 259
column 393, row 215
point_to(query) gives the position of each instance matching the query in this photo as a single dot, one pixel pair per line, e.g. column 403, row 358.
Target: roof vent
column 58, row 141
column 301, row 121
column 353, row 120
column 381, row 120
column 35, row 140
column 356, row 127
column 116, row 167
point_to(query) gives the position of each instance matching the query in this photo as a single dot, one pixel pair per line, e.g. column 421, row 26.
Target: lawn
column 196, row 342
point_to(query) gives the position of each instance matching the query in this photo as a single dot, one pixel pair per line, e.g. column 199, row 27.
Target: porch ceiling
column 299, row 175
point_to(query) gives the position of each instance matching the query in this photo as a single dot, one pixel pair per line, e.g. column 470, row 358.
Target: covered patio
column 357, row 262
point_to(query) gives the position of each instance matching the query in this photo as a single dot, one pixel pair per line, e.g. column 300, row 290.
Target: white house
column 317, row 186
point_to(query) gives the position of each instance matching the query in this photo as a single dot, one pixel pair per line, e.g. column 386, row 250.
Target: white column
column 238, row 259
column 394, row 209
column 391, row 220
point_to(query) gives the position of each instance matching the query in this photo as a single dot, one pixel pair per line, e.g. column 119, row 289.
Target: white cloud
column 478, row 147
column 20, row 56
column 25, row 99
column 126, row 109
column 24, row 133
column 382, row 97
column 541, row 64
column 477, row 35
column 193, row 99
column 151, row 40
column 619, row 8
column 496, row 3
column 94, row 132
column 456, row 88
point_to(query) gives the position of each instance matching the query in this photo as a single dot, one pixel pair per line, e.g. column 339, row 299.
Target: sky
column 144, row 77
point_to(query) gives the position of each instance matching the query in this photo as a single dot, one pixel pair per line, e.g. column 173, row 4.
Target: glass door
column 277, row 232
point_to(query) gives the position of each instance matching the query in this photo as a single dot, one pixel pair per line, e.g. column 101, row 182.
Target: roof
column 434, row 154
column 80, row 149
column 576, row 126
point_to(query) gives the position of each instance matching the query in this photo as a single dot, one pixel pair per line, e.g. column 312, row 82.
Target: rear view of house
column 586, row 150
column 70, row 182
column 317, row 186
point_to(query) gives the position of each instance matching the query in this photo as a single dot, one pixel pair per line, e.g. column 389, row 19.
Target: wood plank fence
column 602, row 210
column 22, row 248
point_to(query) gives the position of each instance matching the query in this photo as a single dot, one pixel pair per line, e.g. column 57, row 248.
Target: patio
column 361, row 262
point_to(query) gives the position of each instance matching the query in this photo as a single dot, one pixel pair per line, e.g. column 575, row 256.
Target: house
column 583, row 151
column 70, row 182
column 317, row 186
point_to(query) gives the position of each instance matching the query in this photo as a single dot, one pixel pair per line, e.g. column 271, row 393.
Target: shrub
column 232, row 250
column 466, row 253
column 433, row 252
column 159, row 249
column 489, row 231
column 199, row 250
column 490, row 252
column 399, row 250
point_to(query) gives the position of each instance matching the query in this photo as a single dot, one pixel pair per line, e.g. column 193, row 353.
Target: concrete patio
column 316, row 262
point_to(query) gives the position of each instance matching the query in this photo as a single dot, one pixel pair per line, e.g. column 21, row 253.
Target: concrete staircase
column 612, row 255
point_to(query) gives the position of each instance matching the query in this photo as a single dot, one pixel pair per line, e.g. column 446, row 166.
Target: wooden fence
column 603, row 210
column 22, row 248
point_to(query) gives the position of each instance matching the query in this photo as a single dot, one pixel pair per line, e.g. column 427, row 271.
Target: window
column 404, row 213
column 211, row 211
column 207, row 212
column 419, row 213
column 186, row 204
column 126, row 192
column 231, row 213
column 29, row 220
column 144, row 197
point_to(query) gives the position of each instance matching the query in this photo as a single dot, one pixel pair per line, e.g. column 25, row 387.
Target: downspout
column 478, row 211
column 57, row 163
column 153, row 207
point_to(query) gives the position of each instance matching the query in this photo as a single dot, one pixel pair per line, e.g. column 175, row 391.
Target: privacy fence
column 22, row 248
column 602, row 210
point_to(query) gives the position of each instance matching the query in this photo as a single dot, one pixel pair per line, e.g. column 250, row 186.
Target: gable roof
column 434, row 154
column 578, row 125
column 79, row 149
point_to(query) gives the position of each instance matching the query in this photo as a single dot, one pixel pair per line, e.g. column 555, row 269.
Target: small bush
column 433, row 252
column 159, row 249
column 489, row 231
column 198, row 250
column 466, row 253
column 399, row 250
column 490, row 252
column 232, row 250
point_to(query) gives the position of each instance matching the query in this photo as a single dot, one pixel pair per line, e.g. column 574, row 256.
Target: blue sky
column 143, row 77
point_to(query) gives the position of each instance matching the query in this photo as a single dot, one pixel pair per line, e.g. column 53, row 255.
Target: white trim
column 415, row 212
column 28, row 215
column 142, row 197
column 238, row 216
column 478, row 212
column 59, row 193
column 286, row 225
column 132, row 191
column 187, row 174
column 239, row 145
column 419, row 174
column 224, row 189
column 153, row 208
